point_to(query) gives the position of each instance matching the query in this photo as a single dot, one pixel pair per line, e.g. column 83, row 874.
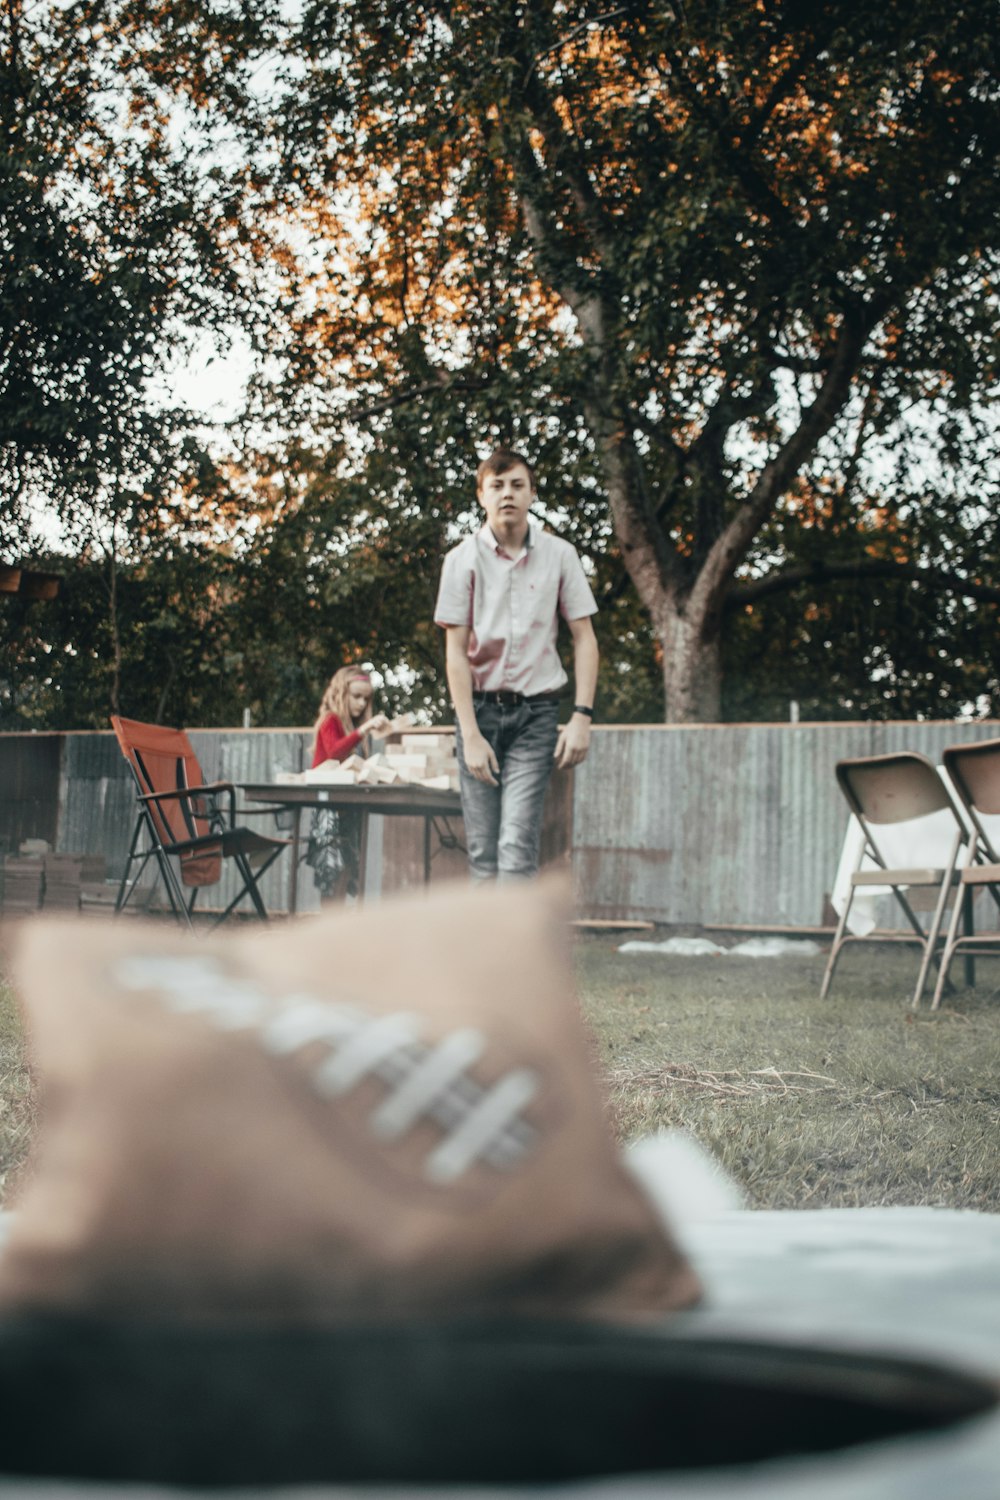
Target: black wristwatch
column 579, row 708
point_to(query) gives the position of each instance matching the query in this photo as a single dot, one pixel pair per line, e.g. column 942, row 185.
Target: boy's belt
column 511, row 700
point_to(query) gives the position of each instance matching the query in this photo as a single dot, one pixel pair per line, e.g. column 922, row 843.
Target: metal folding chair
column 900, row 799
column 974, row 770
column 182, row 819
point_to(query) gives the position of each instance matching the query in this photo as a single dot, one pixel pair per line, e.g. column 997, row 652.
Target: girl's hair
column 334, row 700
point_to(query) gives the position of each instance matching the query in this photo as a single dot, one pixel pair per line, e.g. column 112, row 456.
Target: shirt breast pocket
column 541, row 603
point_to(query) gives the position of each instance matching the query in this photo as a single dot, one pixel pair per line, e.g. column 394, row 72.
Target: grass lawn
column 17, row 1095
column 854, row 1101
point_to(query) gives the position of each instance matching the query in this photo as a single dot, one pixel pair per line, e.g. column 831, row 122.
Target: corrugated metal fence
column 96, row 803
column 709, row 824
column 732, row 823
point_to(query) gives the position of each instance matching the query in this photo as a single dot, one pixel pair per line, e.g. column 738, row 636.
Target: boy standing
column 501, row 594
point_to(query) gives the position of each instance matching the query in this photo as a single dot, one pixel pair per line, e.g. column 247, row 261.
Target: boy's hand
column 480, row 760
column 573, row 742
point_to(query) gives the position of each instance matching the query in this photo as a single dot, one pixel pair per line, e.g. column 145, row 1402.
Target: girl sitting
column 344, row 726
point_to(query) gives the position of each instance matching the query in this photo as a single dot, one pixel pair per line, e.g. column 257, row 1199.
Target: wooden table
column 402, row 800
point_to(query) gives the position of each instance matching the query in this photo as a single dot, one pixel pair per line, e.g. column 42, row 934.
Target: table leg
column 428, row 820
column 968, row 929
column 293, row 879
column 363, row 854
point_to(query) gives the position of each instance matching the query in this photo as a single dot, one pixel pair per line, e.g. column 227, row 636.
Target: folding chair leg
column 930, row 945
column 128, row 885
column 968, row 929
column 175, row 895
column 838, row 943
column 125, row 890
column 951, row 938
column 251, row 887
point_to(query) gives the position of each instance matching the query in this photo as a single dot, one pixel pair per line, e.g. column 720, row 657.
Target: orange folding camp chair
column 913, row 838
column 974, row 772
column 181, row 818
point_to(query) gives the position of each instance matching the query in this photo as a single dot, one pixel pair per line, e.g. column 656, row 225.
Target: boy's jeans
column 503, row 824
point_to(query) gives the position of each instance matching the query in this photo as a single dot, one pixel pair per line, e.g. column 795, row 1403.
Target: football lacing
column 423, row 1080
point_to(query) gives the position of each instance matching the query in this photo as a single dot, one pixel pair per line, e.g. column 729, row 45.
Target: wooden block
column 330, row 773
column 423, row 743
column 427, row 765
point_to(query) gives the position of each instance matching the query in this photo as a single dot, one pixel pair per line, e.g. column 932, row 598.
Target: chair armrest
column 191, row 793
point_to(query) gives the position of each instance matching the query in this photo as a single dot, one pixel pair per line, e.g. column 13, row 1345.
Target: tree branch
column 362, row 411
column 759, row 191
column 572, row 34
column 942, row 580
column 730, row 548
column 816, row 422
column 566, row 163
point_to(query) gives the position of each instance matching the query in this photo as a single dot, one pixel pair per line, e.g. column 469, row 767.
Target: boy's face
column 506, row 499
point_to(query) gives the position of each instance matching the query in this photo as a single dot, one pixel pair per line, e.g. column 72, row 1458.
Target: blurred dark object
column 28, row 582
column 449, row 1403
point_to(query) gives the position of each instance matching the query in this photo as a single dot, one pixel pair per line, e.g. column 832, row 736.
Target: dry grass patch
column 853, row 1101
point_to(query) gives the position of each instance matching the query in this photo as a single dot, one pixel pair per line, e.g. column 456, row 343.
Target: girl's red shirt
column 332, row 743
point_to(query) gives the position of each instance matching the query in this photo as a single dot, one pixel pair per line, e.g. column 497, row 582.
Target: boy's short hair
column 499, row 461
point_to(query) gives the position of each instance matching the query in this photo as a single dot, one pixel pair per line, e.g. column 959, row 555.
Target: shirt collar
column 488, row 537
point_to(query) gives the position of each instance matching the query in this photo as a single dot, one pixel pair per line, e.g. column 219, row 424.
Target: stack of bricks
column 36, row 878
column 61, row 890
column 97, row 895
column 22, row 882
column 65, row 878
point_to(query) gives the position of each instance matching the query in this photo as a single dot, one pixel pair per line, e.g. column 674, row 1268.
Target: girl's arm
column 332, row 743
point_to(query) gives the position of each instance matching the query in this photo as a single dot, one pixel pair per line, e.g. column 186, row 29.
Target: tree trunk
column 685, row 613
column 114, row 692
column 692, row 666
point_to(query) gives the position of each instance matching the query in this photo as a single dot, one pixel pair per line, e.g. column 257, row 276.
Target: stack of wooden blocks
column 426, row 760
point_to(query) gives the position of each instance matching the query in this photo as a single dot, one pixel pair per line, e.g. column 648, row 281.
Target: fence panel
column 725, row 824
column 29, row 788
column 710, row 824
